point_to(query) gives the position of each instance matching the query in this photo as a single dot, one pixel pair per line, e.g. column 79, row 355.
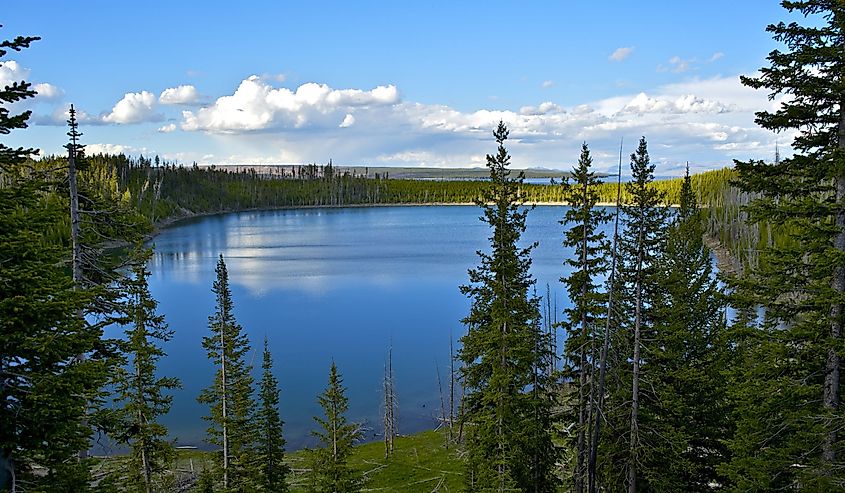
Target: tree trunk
column 225, row 420
column 76, row 259
column 831, row 382
column 635, row 385
column 582, row 377
column 146, row 467
column 594, row 445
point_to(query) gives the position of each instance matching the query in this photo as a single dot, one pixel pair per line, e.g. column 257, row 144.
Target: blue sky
column 398, row 83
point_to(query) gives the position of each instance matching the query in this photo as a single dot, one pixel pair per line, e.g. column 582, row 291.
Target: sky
column 419, row 83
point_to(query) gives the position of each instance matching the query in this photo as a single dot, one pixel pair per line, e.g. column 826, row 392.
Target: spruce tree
column 506, row 406
column 45, row 389
column 270, row 442
column 330, row 470
column 139, row 389
column 583, row 320
column 230, row 396
column 686, row 413
column 788, row 393
column 641, row 244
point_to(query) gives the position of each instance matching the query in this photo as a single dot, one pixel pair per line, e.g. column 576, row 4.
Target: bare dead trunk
column 594, row 445
column 76, row 247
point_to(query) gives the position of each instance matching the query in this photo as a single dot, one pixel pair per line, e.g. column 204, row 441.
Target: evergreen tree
column 584, row 318
column 685, row 414
column 641, row 245
column 330, row 472
column 138, row 387
column 45, row 389
column 270, row 443
column 230, row 396
column 788, row 387
column 506, row 406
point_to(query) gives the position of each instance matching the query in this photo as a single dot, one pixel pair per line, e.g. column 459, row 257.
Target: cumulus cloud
column 135, row 107
column 543, row 109
column 547, row 84
column 348, row 121
column 184, row 94
column 705, row 121
column 12, row 71
column 48, row 91
column 91, row 149
column 687, row 103
column 620, row 54
column 256, row 105
column 61, row 113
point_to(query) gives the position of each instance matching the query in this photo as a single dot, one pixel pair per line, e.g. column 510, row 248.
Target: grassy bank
column 420, row 463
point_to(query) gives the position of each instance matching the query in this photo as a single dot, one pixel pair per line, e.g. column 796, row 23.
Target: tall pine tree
column 583, row 320
column 686, row 414
column 641, row 245
column 330, row 469
column 230, row 396
column 507, row 406
column 139, row 389
column 270, row 442
column 788, row 392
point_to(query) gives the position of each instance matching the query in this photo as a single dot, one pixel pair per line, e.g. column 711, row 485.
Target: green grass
column 420, row 463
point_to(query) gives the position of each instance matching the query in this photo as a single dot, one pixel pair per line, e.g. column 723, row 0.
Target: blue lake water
column 333, row 284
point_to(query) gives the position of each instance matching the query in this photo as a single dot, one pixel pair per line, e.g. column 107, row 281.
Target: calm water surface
column 332, row 284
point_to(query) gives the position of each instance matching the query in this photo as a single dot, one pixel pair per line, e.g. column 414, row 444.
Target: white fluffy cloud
column 91, row 149
column 620, row 54
column 48, row 91
column 135, row 107
column 256, row 105
column 12, row 71
column 687, row 103
column 184, row 94
column 705, row 121
column 348, row 121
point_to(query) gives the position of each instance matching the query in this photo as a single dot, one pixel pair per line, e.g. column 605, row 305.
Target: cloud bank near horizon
column 705, row 121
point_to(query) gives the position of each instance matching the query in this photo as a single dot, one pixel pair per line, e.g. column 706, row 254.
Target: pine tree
column 138, row 387
column 788, row 392
column 640, row 244
column 389, row 418
column 506, row 406
column 230, row 396
column 686, row 415
column 270, row 442
column 45, row 390
column 583, row 319
column 330, row 471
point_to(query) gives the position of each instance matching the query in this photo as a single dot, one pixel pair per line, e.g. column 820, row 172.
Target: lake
column 333, row 285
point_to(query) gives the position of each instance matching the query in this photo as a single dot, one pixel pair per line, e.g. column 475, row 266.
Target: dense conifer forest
column 672, row 377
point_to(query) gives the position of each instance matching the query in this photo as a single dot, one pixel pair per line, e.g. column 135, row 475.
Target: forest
column 672, row 376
